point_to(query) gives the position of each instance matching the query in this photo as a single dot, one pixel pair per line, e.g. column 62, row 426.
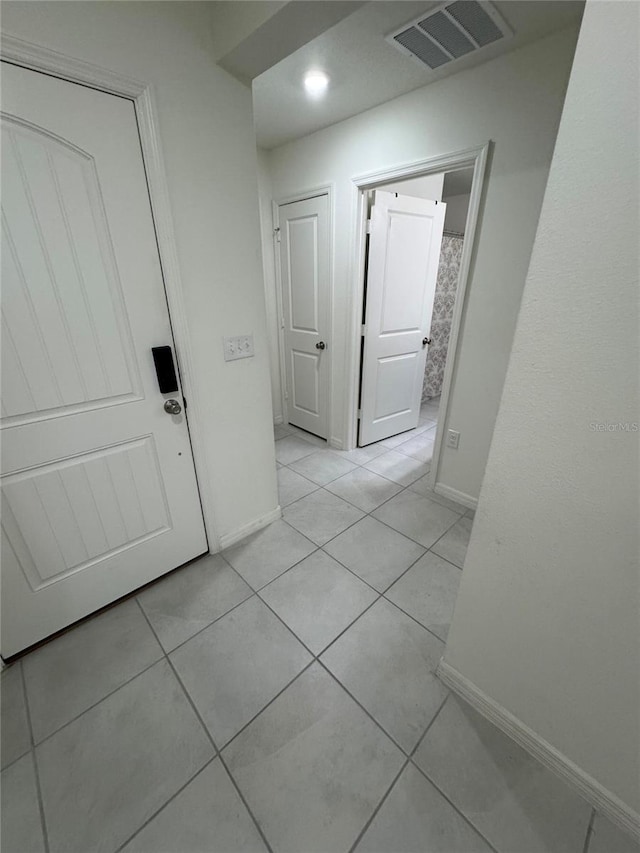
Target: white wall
column 427, row 186
column 547, row 621
column 514, row 100
column 456, row 216
column 208, row 141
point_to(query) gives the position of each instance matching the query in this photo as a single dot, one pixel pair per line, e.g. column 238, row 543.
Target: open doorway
column 409, row 412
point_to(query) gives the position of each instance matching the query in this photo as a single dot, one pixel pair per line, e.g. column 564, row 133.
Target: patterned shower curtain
column 444, row 299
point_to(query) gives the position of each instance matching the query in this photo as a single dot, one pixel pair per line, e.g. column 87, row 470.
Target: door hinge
column 359, row 414
column 282, row 322
column 363, row 330
column 286, row 395
column 276, row 232
column 368, row 226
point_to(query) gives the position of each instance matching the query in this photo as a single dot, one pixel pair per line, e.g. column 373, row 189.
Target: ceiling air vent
column 451, row 31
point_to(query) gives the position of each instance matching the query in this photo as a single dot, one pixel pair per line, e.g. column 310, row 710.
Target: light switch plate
column 238, row 347
column 453, row 439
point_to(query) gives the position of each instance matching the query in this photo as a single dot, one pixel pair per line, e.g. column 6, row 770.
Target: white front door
column 99, row 493
column 404, row 251
column 304, row 273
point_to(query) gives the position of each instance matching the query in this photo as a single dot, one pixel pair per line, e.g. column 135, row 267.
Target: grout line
column 392, row 785
column 431, row 722
column 589, row 832
column 36, row 770
column 362, row 708
column 417, row 621
column 216, row 751
column 271, row 701
column 15, row 760
column 378, row 807
column 95, row 704
column 164, row 805
column 454, row 806
column 246, row 805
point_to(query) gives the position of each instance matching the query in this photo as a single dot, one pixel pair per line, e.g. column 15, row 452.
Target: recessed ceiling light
column 315, row 83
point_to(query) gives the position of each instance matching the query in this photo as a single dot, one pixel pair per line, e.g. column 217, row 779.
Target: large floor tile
column 398, row 467
column 292, row 447
column 16, row 739
column 266, row 554
column 418, row 518
column 313, row 767
column 322, row 467
column 364, row 489
column 208, row 815
column 190, row 599
column 428, row 593
column 420, row 447
column 375, row 552
column 608, row 838
column 292, row 486
column 318, row 599
column 78, row 669
column 238, row 664
column 453, row 545
column 416, row 818
column 321, row 516
column 108, row 771
column 513, row 800
column 388, row 663
column 20, row 825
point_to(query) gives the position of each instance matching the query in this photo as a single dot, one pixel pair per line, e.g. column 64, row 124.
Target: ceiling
column 366, row 71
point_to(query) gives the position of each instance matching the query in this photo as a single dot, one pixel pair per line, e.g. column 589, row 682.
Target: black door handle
column 321, row 345
column 165, row 371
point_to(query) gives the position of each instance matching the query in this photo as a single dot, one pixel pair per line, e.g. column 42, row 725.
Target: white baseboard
column 278, row 419
column 235, row 536
column 336, row 442
column 592, row 791
column 455, row 495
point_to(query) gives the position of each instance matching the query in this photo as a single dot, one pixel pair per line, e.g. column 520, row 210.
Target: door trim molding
column 477, row 158
column 38, row 58
column 547, row 754
column 329, row 191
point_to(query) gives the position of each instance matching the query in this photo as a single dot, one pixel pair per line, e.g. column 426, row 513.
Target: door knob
column 172, row 407
column 426, row 341
column 321, row 345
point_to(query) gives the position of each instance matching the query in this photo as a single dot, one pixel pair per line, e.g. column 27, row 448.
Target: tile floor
column 282, row 696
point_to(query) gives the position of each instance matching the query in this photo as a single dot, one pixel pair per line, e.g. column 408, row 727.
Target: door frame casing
column 25, row 54
column 476, row 158
column 329, row 191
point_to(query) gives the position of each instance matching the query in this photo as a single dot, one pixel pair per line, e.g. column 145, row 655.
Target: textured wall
column 547, row 620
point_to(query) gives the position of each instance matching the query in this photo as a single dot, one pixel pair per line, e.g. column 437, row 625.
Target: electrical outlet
column 238, row 347
column 453, row 439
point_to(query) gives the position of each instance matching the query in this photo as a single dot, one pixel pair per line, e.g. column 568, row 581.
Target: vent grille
column 451, row 31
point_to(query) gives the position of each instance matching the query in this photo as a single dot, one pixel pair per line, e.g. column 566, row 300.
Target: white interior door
column 304, row 272
column 404, row 251
column 99, row 494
